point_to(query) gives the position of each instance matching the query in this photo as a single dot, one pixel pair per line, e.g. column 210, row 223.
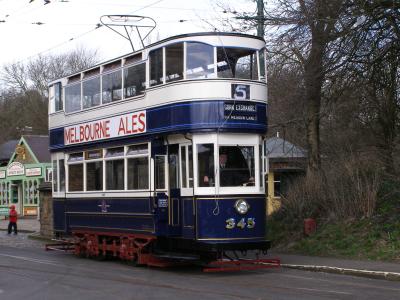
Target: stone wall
column 46, row 210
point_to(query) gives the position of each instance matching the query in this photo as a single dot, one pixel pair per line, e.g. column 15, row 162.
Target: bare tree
column 24, row 90
column 38, row 72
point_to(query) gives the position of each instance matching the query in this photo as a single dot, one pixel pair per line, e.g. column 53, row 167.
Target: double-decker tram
column 158, row 155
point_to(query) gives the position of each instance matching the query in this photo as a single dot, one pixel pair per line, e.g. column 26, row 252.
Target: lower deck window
column 55, row 176
column 94, row 176
column 62, row 175
column 115, row 174
column 75, row 178
column 138, row 173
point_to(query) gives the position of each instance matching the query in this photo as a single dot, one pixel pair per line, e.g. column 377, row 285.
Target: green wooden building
column 24, row 164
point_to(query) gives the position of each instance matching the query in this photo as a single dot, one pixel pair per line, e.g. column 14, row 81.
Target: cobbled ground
column 21, row 240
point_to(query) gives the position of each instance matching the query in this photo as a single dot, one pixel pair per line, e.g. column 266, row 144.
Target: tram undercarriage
column 147, row 250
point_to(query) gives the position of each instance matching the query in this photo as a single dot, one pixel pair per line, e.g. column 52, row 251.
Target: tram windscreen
column 236, row 166
column 237, row 63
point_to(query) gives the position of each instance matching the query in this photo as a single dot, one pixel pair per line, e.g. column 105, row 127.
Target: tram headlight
column 242, row 206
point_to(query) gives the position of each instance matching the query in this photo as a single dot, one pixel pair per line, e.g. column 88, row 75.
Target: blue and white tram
column 161, row 150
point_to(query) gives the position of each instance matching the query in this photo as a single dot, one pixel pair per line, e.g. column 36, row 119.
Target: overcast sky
column 68, row 24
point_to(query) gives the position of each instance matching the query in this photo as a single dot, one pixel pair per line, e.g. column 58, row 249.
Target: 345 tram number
column 242, row 223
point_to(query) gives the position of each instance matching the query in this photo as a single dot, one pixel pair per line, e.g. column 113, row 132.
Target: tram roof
column 205, row 34
column 175, row 37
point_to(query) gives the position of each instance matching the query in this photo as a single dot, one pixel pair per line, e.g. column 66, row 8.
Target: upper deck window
column 156, row 67
column 55, row 98
column 112, row 86
column 199, row 61
column 91, row 92
column 58, row 104
column 237, row 63
column 134, row 80
column 174, row 62
column 262, row 64
column 73, row 97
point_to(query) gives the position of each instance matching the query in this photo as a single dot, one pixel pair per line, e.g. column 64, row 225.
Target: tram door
column 174, row 197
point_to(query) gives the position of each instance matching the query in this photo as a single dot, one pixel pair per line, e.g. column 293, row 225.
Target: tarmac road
column 31, row 273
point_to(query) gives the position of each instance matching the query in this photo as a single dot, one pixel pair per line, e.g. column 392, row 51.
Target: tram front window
column 237, row 63
column 236, row 166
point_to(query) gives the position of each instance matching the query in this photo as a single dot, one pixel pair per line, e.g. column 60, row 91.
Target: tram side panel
column 125, row 215
column 59, row 216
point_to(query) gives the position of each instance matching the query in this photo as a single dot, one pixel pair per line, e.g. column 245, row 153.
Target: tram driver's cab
column 204, row 166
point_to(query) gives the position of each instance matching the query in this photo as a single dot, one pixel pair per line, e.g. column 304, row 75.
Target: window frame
column 254, row 146
column 124, row 156
column 213, row 75
column 279, row 181
column 150, row 85
column 166, row 178
column 58, row 158
column 65, row 97
column 111, row 158
column 256, row 56
column 146, row 79
column 138, row 155
column 78, row 162
column 108, row 72
column 93, row 160
column 228, row 139
column 85, row 80
column 184, row 148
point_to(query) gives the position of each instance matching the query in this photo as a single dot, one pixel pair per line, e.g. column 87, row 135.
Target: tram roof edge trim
column 180, row 36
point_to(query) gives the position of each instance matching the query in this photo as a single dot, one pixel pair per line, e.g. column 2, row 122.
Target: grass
column 369, row 239
column 375, row 238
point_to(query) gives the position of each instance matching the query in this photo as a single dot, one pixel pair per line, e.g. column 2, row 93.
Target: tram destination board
column 240, row 111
